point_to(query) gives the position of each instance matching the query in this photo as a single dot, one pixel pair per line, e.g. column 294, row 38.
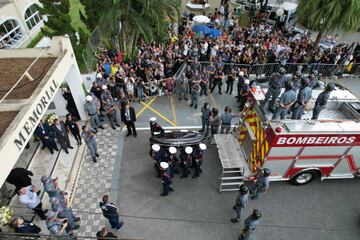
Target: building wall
column 15, row 9
column 13, row 141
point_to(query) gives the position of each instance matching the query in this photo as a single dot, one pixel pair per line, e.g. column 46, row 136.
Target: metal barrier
column 266, row 69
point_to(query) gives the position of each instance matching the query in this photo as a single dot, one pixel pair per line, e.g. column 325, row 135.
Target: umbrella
column 213, row 33
column 201, row 29
column 201, row 19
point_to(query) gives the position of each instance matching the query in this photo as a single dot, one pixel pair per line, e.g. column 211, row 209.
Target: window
column 32, row 17
column 11, row 34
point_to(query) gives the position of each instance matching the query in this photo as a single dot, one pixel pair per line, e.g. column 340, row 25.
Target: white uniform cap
column 241, row 73
column 172, row 150
column 202, row 146
column 155, row 147
column 246, row 81
column 104, row 87
column 164, row 165
column 99, row 75
column 89, row 98
column 188, row 150
column 152, row 119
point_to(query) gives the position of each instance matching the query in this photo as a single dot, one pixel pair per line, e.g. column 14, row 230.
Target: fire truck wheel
column 303, row 177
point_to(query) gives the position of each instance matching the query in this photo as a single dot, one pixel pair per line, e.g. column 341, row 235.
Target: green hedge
column 35, row 40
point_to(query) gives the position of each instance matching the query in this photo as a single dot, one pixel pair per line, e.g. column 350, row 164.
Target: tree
column 129, row 20
column 328, row 15
column 57, row 18
column 56, row 13
column 94, row 10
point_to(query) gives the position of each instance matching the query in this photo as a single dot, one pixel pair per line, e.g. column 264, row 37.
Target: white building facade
column 20, row 22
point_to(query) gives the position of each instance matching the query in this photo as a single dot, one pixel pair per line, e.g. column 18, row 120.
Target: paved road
column 327, row 210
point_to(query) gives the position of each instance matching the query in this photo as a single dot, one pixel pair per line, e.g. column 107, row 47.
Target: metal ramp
column 234, row 166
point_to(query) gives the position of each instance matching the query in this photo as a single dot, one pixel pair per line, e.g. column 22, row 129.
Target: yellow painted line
column 212, row 100
column 173, row 109
column 145, row 107
column 160, row 115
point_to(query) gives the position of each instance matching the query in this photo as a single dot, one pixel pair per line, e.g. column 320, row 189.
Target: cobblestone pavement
column 94, row 181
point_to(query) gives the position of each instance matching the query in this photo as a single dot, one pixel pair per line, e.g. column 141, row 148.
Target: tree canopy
column 58, row 22
column 328, row 15
column 127, row 21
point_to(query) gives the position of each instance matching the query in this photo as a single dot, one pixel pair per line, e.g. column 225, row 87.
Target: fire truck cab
column 298, row 150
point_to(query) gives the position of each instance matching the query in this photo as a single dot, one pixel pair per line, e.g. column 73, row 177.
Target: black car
column 178, row 138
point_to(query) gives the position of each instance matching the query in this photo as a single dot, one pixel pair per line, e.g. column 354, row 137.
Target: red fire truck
column 295, row 150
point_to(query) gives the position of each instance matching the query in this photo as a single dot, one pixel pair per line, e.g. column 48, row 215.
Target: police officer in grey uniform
column 110, row 113
column 226, row 118
column 88, row 134
column 322, row 100
column 50, row 185
column 92, row 110
column 303, row 98
column 296, row 81
column 205, row 117
column 287, row 99
column 250, row 224
column 57, row 226
column 314, row 79
column 64, row 212
column 262, row 182
column 195, row 93
column 183, row 87
column 241, row 202
column 275, row 84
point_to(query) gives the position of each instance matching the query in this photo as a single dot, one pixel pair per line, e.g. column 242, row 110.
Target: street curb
column 115, row 181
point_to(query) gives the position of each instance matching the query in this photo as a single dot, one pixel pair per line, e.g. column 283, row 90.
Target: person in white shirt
column 28, row 196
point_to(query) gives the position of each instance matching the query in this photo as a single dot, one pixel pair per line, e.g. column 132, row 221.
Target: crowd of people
column 189, row 65
column 210, row 63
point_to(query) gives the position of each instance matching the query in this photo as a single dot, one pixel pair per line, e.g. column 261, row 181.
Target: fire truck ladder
column 230, row 154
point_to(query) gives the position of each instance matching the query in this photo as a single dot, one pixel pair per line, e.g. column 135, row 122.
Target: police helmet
column 152, row 119
column 89, row 98
column 282, row 70
column 243, row 189
column 305, row 81
column 164, row 165
column 172, row 150
column 155, row 147
column 266, row 172
column 188, row 150
column 256, row 214
column 45, row 178
column 202, row 146
column 247, row 81
column 330, row 86
column 289, row 85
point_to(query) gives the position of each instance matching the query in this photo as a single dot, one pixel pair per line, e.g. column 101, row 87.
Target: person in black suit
column 23, row 226
column 61, row 135
column 44, row 132
column 128, row 117
column 19, row 177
